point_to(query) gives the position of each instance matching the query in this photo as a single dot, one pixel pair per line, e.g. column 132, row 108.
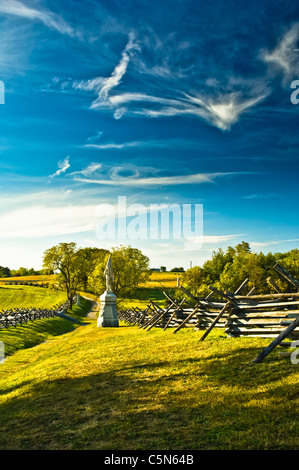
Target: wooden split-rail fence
column 18, row 316
column 269, row 315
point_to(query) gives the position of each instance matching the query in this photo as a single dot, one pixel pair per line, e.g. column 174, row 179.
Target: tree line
column 226, row 270
column 7, row 272
column 82, row 269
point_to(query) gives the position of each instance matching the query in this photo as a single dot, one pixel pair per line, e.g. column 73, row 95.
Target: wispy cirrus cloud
column 220, row 106
column 63, row 165
column 213, row 239
column 93, row 143
column 283, row 57
column 43, row 221
column 130, row 175
column 272, row 242
column 102, row 86
column 220, row 103
column 88, row 171
column 222, row 111
column 155, row 181
column 261, row 196
column 48, row 18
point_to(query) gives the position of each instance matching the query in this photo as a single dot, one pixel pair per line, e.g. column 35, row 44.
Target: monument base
column 108, row 313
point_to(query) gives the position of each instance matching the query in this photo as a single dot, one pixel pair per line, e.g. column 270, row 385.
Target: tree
column 194, row 280
column 22, row 271
column 243, row 247
column 130, row 269
column 4, row 272
column 227, row 270
column 290, row 261
column 90, row 258
column 65, row 259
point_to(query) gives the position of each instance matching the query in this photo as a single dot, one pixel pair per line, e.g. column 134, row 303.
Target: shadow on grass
column 148, row 293
column 215, row 403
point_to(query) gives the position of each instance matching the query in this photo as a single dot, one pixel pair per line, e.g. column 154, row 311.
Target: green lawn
column 27, row 296
column 125, row 388
column 141, row 297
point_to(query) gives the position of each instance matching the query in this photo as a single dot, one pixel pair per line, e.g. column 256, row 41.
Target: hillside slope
column 125, row 388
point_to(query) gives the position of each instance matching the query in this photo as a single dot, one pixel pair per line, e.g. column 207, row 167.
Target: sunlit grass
column 125, row 388
column 28, row 296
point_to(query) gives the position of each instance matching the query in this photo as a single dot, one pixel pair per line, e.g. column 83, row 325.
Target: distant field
column 156, row 279
column 152, row 290
column 27, row 296
column 38, row 278
column 23, row 296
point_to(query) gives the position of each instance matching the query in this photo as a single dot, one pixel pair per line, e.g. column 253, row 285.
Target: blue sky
column 184, row 102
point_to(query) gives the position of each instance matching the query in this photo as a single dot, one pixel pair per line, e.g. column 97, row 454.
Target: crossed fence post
column 160, row 316
column 230, row 300
column 264, row 353
column 198, row 306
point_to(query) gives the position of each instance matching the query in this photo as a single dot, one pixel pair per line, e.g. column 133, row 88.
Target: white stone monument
column 108, row 313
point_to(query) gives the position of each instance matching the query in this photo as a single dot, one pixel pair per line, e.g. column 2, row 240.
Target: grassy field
column 27, row 296
column 35, row 332
column 152, row 290
column 75, row 386
column 124, row 388
column 166, row 279
column 36, row 277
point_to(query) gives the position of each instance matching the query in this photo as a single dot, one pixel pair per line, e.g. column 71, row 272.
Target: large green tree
column 130, row 269
column 89, row 259
column 65, row 260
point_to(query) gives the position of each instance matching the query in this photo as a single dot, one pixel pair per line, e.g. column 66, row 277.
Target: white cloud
column 51, row 20
column 116, row 100
column 102, row 86
column 216, row 239
column 222, row 111
column 96, row 137
column 219, row 109
column 119, row 113
column 282, row 56
column 261, row 196
column 63, row 165
column 227, row 112
column 275, row 242
column 157, row 180
column 91, row 169
column 44, row 221
column 88, row 171
column 163, row 143
column 196, row 242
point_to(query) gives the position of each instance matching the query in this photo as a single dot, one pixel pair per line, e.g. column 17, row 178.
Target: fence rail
column 18, row 316
column 268, row 315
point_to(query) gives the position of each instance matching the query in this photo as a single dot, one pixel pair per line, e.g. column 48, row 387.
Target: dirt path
column 94, row 309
